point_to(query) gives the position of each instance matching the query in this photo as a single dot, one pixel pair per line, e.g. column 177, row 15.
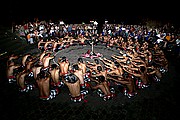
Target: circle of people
column 137, row 65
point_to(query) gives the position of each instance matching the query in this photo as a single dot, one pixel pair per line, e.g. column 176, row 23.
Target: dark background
column 130, row 12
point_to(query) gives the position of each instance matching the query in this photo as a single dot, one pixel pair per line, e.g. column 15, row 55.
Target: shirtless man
column 30, row 63
column 103, row 88
column 11, row 58
column 36, row 70
column 46, row 61
column 82, row 40
column 109, row 64
column 43, row 83
column 99, row 72
column 82, row 65
column 41, row 44
column 55, row 71
column 116, row 75
column 11, row 75
column 49, row 45
column 140, row 72
column 24, row 59
column 162, row 62
column 73, row 84
column 79, row 73
column 93, row 65
column 115, row 71
column 64, row 66
column 57, row 46
column 154, row 73
column 41, row 57
column 21, row 82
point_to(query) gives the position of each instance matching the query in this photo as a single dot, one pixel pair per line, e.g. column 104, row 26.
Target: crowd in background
column 166, row 35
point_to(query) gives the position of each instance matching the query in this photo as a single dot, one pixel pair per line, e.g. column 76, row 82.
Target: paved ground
column 157, row 102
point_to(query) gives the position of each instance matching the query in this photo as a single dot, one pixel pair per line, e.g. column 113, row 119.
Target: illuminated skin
column 99, row 72
column 51, row 43
column 64, row 66
column 41, row 57
column 116, row 71
column 24, row 58
column 154, row 71
column 21, row 79
column 116, row 75
column 102, row 84
column 93, row 65
column 55, row 74
column 82, row 66
column 11, row 58
column 46, row 60
column 108, row 63
column 79, row 73
column 10, row 69
column 74, row 88
column 136, row 71
column 30, row 64
column 43, row 82
column 36, row 70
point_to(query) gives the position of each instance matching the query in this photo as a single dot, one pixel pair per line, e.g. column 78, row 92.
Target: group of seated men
column 136, row 66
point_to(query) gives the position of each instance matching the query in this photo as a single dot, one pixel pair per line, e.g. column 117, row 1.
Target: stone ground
column 157, row 102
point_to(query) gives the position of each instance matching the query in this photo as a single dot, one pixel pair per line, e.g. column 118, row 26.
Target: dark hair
column 53, row 66
column 128, row 61
column 116, row 64
column 142, row 68
column 80, row 60
column 42, row 74
column 10, row 61
column 63, row 59
column 99, row 68
column 71, row 78
column 112, row 59
column 75, row 66
column 29, row 58
column 101, row 78
column 96, row 61
column 148, row 54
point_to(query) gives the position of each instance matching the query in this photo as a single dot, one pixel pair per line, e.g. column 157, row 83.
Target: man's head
column 96, row 61
column 99, row 68
column 101, row 78
column 75, row 67
column 80, row 60
column 42, row 74
column 142, row 68
column 63, row 59
column 53, row 66
column 116, row 64
column 71, row 78
column 29, row 58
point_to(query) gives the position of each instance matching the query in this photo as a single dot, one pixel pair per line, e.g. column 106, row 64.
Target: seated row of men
column 56, row 44
column 130, row 70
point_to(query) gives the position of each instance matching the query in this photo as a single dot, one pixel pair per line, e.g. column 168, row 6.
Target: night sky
column 76, row 12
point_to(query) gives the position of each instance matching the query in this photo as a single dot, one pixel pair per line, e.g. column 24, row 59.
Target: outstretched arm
column 131, row 72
